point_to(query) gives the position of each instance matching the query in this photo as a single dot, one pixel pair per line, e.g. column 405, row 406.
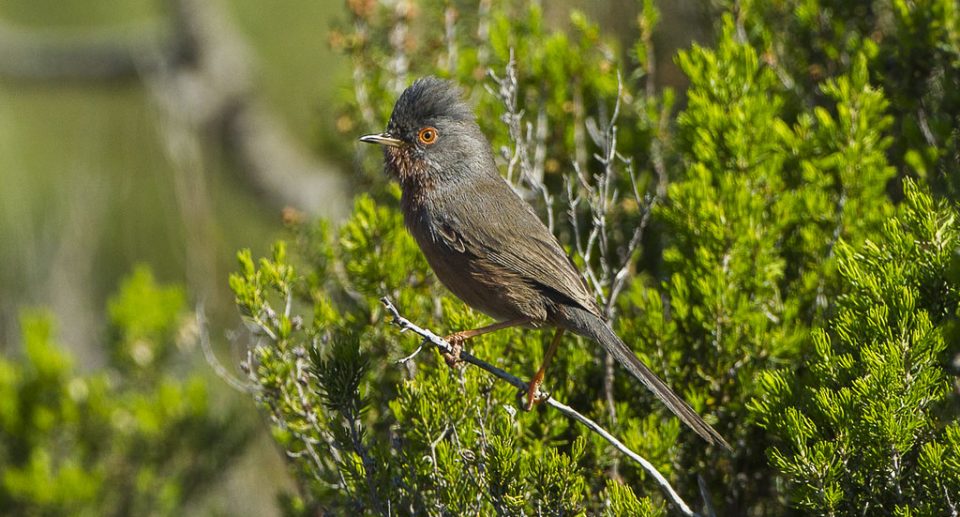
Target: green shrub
column 913, row 49
column 132, row 440
column 866, row 424
column 729, row 240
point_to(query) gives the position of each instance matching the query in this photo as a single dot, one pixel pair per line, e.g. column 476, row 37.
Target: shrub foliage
column 780, row 246
column 133, row 439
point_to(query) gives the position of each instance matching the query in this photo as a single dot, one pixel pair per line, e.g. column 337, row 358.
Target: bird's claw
column 452, row 357
column 533, row 395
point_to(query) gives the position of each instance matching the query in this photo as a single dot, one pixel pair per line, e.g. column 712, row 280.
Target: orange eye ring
column 427, row 135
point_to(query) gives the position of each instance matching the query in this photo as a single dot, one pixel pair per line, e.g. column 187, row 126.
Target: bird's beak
column 382, row 139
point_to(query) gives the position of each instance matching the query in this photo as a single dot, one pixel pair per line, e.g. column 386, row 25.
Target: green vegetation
column 132, row 439
column 868, row 424
column 794, row 275
column 778, row 238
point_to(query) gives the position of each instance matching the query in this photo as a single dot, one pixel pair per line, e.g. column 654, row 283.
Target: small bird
column 486, row 244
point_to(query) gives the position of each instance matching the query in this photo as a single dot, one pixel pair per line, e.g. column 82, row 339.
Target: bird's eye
column 428, row 135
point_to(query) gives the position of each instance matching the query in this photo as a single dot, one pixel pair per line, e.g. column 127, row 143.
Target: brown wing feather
column 505, row 230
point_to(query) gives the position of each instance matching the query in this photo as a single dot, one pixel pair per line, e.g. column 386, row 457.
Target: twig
column 429, row 337
column 408, row 358
column 526, row 139
column 483, row 32
column 399, row 65
column 195, row 66
column 361, row 29
column 450, row 37
column 609, row 275
column 211, row 358
column 707, row 500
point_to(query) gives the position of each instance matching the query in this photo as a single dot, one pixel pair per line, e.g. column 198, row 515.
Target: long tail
column 588, row 325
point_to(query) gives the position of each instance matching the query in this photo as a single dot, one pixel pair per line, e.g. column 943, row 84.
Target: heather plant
column 868, row 424
column 747, row 242
column 913, row 50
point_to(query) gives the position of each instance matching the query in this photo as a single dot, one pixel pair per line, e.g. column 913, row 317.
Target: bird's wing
column 494, row 223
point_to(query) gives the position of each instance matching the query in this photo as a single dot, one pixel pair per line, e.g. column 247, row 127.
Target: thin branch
column 483, row 32
column 527, row 140
column 450, row 37
column 92, row 55
column 399, row 65
column 598, row 194
column 707, row 500
column 361, row 29
column 429, row 337
column 211, row 358
column 410, row 357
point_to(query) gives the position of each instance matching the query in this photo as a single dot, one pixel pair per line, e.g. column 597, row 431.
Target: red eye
column 428, row 135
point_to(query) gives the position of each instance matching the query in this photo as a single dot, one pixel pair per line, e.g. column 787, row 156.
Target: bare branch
column 429, row 337
column 410, row 357
column 450, row 37
column 483, row 32
column 599, row 195
column 211, row 358
column 707, row 500
column 527, row 140
column 399, row 64
column 90, row 55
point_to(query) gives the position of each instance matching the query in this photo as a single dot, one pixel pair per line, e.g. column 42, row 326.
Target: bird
column 486, row 244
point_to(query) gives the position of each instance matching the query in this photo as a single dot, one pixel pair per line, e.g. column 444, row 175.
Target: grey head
column 432, row 137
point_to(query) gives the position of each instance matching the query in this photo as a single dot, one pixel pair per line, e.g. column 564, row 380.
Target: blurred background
column 125, row 134
column 164, row 133
column 173, row 133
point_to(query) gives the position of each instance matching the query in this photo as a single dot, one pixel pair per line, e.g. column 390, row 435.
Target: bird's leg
column 533, row 391
column 457, row 338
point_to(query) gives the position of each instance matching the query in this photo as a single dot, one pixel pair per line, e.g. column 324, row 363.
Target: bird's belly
column 486, row 286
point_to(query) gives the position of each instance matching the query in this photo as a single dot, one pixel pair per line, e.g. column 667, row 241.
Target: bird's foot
column 456, row 344
column 534, row 396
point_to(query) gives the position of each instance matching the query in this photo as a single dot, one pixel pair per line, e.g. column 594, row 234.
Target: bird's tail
column 588, row 325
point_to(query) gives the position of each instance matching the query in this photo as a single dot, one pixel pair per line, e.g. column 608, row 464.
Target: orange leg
column 457, row 338
column 533, row 391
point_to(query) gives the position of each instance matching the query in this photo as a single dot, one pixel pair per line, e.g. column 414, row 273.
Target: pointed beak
column 382, row 139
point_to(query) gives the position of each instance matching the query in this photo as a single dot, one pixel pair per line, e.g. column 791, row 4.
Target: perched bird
column 485, row 243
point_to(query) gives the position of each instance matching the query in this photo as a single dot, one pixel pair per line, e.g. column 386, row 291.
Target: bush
column 733, row 242
column 134, row 439
column 867, row 424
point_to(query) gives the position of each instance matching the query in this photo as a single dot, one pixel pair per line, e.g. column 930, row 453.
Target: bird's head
column 432, row 136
